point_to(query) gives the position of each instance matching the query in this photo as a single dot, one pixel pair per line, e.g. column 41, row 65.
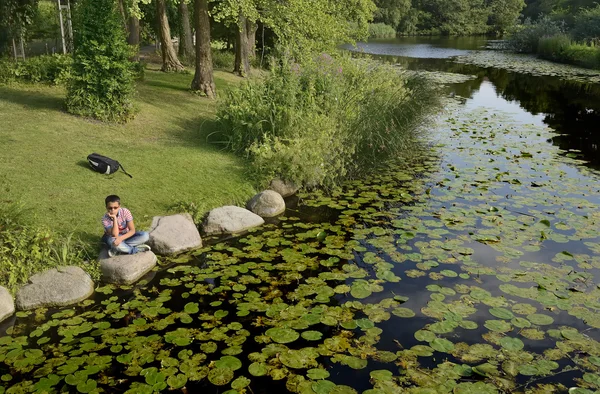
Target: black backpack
column 104, row 165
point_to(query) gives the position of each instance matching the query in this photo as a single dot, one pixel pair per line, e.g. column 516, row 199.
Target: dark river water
column 471, row 268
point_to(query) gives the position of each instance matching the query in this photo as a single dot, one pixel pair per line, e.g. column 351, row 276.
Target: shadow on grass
column 167, row 85
column 201, row 132
column 32, row 99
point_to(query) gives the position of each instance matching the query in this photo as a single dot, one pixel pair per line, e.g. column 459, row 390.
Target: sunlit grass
column 43, row 160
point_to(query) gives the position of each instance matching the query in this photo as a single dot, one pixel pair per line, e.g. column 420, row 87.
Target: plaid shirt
column 123, row 217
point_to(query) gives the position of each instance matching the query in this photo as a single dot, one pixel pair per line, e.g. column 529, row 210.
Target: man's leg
column 122, row 248
column 139, row 238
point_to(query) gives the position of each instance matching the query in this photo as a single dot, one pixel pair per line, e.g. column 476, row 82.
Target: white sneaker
column 111, row 253
column 143, row 248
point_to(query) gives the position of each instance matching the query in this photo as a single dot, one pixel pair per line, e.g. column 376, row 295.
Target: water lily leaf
column 312, row 335
column 486, row 369
column 498, row 325
column 520, row 322
column 230, row 362
column 539, row 319
column 220, row 376
column 403, row 312
column 341, row 389
column 177, row 381
column 529, row 370
column 240, row 383
column 191, row 308
column 512, row 344
column 323, row 386
column 257, row 369
column 442, row 345
column 424, row 335
column 282, row 335
column 87, row 386
column 317, row 373
column 502, row 313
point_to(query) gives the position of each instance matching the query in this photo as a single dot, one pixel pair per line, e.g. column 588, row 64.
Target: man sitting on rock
column 119, row 230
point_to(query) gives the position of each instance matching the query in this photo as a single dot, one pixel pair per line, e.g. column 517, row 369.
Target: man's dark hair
column 112, row 198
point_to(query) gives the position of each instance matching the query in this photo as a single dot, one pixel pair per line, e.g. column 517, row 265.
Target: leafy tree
column 203, row 78
column 504, row 14
column 102, row 82
column 392, row 12
column 169, row 56
column 15, row 17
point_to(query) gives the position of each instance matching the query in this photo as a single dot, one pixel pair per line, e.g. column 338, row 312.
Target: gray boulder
column 230, row 219
column 267, row 204
column 174, row 234
column 282, row 187
column 59, row 286
column 126, row 269
column 7, row 305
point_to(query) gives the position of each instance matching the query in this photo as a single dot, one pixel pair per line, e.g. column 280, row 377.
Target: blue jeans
column 129, row 246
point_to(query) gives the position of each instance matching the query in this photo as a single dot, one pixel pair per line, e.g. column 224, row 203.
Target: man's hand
column 113, row 216
column 117, row 241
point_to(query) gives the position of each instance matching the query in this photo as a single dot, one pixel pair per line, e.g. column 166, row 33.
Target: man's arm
column 130, row 233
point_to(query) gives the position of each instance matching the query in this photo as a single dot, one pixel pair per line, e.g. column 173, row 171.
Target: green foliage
column 26, row 250
column 52, row 69
column 223, row 59
column 381, row 30
column 325, row 120
column 45, row 21
column 553, row 47
column 102, row 83
column 524, row 38
column 503, row 15
column 391, row 12
column 587, row 25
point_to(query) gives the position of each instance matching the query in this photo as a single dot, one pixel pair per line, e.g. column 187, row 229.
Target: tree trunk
column 186, row 46
column 134, row 31
column 203, row 78
column 242, row 61
column 123, row 16
column 133, row 38
column 170, row 60
column 251, row 28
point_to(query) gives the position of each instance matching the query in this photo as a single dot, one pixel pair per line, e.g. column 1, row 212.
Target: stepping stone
column 126, row 269
column 59, row 286
column 7, row 304
column 282, row 187
column 174, row 234
column 230, row 219
column 267, row 204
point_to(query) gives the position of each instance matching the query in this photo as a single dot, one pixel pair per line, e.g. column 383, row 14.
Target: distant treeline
column 470, row 17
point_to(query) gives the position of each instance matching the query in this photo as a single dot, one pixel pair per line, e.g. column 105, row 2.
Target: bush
column 25, row 250
column 381, row 30
column 102, row 83
column 525, row 38
column 223, row 59
column 583, row 55
column 324, row 121
column 587, row 25
column 554, row 47
column 52, row 69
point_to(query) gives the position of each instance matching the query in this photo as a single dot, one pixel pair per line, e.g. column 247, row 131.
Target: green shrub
column 52, row 69
column 583, row 55
column 324, row 121
column 223, row 59
column 25, row 250
column 554, row 47
column 381, row 30
column 587, row 25
column 525, row 38
column 102, row 84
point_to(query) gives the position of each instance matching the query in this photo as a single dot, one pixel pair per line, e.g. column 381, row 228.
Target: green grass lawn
column 43, row 157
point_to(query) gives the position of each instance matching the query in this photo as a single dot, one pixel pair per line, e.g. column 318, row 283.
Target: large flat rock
column 126, row 269
column 59, row 286
column 174, row 234
column 230, row 219
column 7, row 304
column 267, row 204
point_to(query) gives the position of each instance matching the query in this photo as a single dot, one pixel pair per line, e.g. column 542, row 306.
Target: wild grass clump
column 324, row 121
column 381, row 30
column 553, row 47
column 26, row 250
column 50, row 69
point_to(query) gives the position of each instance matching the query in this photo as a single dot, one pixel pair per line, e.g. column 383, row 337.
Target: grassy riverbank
column 164, row 148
